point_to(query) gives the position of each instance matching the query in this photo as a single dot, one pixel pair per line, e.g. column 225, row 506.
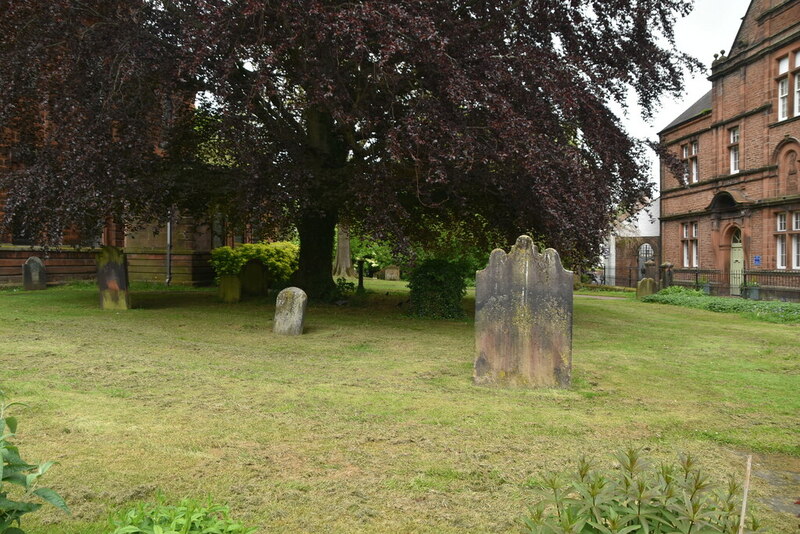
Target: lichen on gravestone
column 523, row 318
column 290, row 311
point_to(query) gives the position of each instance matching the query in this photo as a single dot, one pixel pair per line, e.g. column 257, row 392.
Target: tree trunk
column 343, row 265
column 318, row 219
column 316, row 250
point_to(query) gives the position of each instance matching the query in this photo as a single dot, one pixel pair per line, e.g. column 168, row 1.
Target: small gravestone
column 230, row 288
column 392, row 272
column 523, row 318
column 34, row 274
column 646, row 286
column 290, row 311
column 112, row 279
column 254, row 278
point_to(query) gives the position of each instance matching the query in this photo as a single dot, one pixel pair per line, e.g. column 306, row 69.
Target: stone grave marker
column 391, row 272
column 34, row 274
column 254, row 278
column 230, row 288
column 112, row 279
column 290, row 311
column 646, row 286
column 523, row 319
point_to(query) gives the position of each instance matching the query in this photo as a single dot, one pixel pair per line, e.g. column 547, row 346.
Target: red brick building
column 735, row 219
column 146, row 250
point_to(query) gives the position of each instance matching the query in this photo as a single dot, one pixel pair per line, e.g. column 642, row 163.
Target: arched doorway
column 645, row 254
column 737, row 262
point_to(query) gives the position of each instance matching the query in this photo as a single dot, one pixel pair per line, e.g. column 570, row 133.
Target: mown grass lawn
column 369, row 422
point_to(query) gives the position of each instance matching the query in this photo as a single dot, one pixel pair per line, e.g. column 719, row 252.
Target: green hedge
column 771, row 311
column 437, row 288
column 280, row 259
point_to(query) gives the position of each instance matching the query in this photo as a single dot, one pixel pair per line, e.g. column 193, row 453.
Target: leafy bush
column 189, row 517
column 343, row 287
column 771, row 311
column 16, row 472
column 226, row 260
column 280, row 259
column 638, row 496
column 437, row 288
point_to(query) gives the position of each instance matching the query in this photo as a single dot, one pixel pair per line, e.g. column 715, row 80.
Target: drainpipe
column 168, row 281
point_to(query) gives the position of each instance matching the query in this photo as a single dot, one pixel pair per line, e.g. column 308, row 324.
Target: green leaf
column 11, row 422
column 53, row 498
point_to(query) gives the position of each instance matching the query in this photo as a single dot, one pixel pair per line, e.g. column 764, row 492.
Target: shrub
column 226, row 260
column 279, row 259
column 437, row 288
column 637, row 496
column 17, row 472
column 771, row 311
column 189, row 517
column 343, row 287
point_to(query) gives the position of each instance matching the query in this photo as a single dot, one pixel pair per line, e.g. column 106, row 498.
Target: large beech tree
column 391, row 114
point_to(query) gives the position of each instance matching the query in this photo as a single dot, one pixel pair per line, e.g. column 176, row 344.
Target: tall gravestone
column 112, row 279
column 290, row 311
column 523, row 318
column 34, row 274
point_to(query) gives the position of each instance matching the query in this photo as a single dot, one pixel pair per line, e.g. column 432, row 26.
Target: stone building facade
column 732, row 221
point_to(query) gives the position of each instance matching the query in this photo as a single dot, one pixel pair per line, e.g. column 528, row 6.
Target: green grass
column 369, row 422
column 769, row 311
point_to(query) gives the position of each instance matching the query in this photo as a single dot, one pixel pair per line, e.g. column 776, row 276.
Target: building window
column 783, row 65
column 781, row 252
column 796, row 221
column 796, row 251
column 797, row 95
column 689, row 153
column 780, row 241
column 691, row 249
column 783, row 99
column 733, row 149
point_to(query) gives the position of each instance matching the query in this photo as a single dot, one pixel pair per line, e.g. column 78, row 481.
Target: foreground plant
column 16, row 472
column 637, row 496
column 189, row 517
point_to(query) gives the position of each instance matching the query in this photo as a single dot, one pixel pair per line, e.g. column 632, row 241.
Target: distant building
column 633, row 242
column 734, row 218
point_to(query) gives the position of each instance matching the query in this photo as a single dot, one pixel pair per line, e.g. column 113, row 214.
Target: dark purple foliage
column 389, row 113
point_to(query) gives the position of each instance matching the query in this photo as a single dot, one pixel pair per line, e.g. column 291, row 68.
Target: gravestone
column 391, row 272
column 34, row 274
column 112, row 279
column 646, row 286
column 523, row 318
column 290, row 311
column 230, row 288
column 254, row 278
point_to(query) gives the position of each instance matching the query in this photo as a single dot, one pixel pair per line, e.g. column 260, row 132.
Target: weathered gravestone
column 290, row 311
column 112, row 279
column 523, row 318
column 646, row 286
column 254, row 278
column 34, row 274
column 230, row 288
column 391, row 272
